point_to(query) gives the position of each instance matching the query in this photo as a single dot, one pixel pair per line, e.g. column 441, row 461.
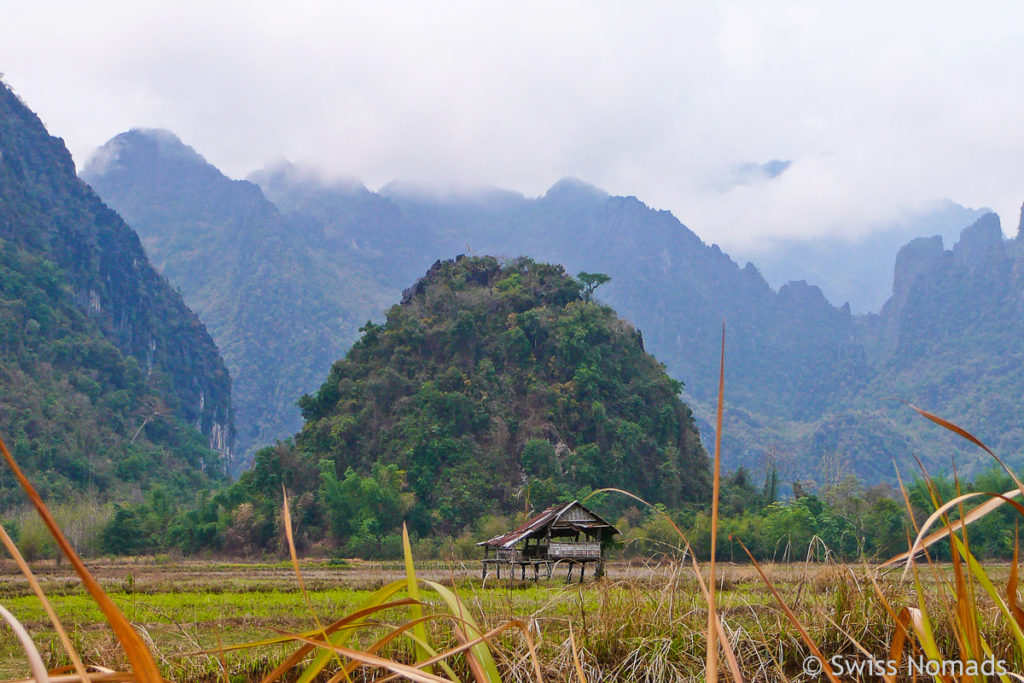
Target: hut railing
column 565, row 550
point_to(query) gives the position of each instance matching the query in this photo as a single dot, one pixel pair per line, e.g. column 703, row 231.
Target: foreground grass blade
column 899, row 638
column 138, row 654
column 76, row 661
column 404, row 670
column 975, row 514
column 711, row 663
column 580, row 676
column 456, row 608
column 1011, row 583
column 35, row 661
column 983, row 580
column 956, row 429
column 922, row 622
column 730, row 656
column 415, row 610
column 825, row 667
column 289, row 536
column 471, row 661
column 369, row 606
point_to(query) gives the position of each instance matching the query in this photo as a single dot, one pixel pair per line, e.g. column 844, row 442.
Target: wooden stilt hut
column 565, row 534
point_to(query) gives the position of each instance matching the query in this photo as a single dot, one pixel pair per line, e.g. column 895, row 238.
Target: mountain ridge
column 798, row 366
column 91, row 329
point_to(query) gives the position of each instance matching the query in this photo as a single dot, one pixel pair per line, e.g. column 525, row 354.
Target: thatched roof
column 561, row 519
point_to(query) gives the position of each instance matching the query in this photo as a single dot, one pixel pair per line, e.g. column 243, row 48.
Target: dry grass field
column 640, row 622
column 151, row 620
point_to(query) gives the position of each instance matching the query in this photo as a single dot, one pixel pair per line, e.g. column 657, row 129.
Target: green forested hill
column 107, row 381
column 490, row 385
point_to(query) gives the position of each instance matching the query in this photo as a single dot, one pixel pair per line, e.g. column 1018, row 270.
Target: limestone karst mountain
column 279, row 296
column 808, row 381
column 107, row 380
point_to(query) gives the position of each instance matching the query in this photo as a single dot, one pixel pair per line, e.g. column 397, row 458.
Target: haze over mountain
column 856, row 269
column 806, row 378
column 108, row 382
column 876, row 106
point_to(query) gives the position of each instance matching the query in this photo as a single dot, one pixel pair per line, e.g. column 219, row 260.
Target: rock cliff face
column 912, row 260
column 981, row 244
column 952, row 341
column 46, row 212
column 970, row 288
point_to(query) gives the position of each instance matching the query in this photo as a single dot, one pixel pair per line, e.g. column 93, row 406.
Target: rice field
column 641, row 622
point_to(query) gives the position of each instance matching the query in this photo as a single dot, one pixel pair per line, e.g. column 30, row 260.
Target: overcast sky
column 880, row 106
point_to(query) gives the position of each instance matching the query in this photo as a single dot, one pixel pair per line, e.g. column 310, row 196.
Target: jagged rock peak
column 142, row 142
column 575, row 191
column 912, row 259
column 802, row 293
column 1020, row 225
column 978, row 242
column 751, row 274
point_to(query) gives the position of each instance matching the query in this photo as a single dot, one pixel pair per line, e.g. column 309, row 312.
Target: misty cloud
column 750, row 172
column 881, row 108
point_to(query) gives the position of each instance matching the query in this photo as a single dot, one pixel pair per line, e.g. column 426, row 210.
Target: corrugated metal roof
column 541, row 521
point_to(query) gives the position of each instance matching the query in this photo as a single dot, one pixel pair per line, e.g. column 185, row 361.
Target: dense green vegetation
column 498, row 387
column 108, row 384
column 79, row 415
column 360, row 516
column 488, row 386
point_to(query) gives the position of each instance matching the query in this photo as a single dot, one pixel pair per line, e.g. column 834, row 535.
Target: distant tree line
column 364, row 515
